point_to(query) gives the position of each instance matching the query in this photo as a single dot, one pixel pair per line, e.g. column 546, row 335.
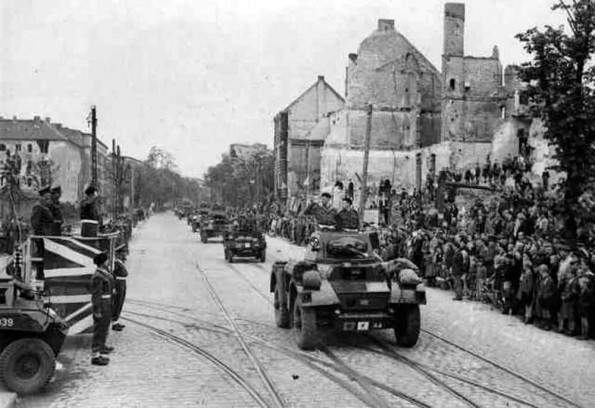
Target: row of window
column 18, row 147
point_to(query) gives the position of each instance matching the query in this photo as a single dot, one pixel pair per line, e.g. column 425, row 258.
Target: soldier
column 324, row 213
column 42, row 220
column 347, row 217
column 56, row 209
column 89, row 206
column 120, row 274
column 101, row 297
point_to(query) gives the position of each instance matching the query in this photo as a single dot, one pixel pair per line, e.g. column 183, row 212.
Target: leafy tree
column 562, row 79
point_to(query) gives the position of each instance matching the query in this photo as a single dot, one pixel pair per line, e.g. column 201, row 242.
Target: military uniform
column 42, row 220
column 102, row 286
column 120, row 275
column 325, row 215
column 348, row 218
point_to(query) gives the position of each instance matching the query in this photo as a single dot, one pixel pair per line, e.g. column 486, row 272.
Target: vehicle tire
column 203, row 238
column 407, row 327
column 281, row 311
column 27, row 365
column 263, row 256
column 304, row 326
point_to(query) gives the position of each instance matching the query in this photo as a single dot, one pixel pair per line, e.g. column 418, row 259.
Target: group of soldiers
column 108, row 288
column 326, row 215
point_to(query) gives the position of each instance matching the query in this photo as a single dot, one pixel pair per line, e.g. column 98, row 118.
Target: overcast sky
column 194, row 76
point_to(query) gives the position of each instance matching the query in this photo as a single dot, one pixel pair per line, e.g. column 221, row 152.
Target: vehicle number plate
column 6, row 322
column 248, row 245
column 363, row 325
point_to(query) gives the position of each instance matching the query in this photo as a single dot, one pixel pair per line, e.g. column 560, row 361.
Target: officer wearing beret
column 348, row 217
column 42, row 220
column 102, row 286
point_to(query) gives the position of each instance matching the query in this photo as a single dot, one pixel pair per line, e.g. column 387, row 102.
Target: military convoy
column 341, row 284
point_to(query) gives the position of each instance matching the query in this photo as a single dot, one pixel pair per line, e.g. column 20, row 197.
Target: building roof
column 243, row 150
column 313, row 86
column 29, row 130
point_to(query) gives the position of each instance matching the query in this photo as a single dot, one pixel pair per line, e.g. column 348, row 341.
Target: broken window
column 452, row 84
column 2, row 147
column 29, row 148
column 17, row 147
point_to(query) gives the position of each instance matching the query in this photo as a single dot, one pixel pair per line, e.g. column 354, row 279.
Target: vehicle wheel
column 263, row 256
column 407, row 325
column 26, row 365
column 230, row 257
column 304, row 326
column 281, row 311
column 203, row 238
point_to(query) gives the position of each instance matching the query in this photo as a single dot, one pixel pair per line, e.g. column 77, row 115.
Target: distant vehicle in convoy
column 341, row 284
column 213, row 225
column 242, row 243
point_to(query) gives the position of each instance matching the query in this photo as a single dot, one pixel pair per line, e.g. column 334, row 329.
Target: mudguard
column 325, row 296
column 415, row 295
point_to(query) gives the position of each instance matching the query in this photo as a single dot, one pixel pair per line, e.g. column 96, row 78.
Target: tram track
column 235, row 376
column 323, row 367
column 268, row 383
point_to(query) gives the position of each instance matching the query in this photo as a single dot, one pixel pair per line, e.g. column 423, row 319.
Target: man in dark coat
column 89, row 206
column 460, row 266
column 56, row 209
column 42, row 220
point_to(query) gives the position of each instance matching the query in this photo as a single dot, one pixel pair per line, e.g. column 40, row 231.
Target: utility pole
column 307, row 170
column 363, row 195
column 94, row 147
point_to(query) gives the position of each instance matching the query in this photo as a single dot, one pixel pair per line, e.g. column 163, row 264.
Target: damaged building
column 423, row 120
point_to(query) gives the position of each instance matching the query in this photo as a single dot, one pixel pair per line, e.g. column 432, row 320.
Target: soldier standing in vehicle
column 347, row 218
column 42, row 220
column 324, row 213
column 101, row 298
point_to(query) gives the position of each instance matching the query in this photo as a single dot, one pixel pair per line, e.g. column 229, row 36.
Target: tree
column 562, row 95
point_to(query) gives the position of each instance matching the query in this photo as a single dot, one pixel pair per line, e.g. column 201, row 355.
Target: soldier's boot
column 99, row 360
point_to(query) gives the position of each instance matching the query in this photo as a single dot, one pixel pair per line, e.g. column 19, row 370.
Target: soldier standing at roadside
column 120, row 275
column 101, row 298
column 42, row 219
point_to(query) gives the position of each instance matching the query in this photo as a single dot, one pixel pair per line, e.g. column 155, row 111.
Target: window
column 17, row 147
column 503, row 112
column 30, row 148
column 2, row 147
column 452, row 84
column 43, row 145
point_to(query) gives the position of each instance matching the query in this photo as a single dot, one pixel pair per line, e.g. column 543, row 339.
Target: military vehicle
column 31, row 337
column 213, row 226
column 243, row 243
column 341, row 284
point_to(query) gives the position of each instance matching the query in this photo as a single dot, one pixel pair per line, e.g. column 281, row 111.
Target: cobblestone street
column 201, row 332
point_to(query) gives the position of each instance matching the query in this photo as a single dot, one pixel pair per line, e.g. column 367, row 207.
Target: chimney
column 320, row 78
column 386, row 25
column 320, row 97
